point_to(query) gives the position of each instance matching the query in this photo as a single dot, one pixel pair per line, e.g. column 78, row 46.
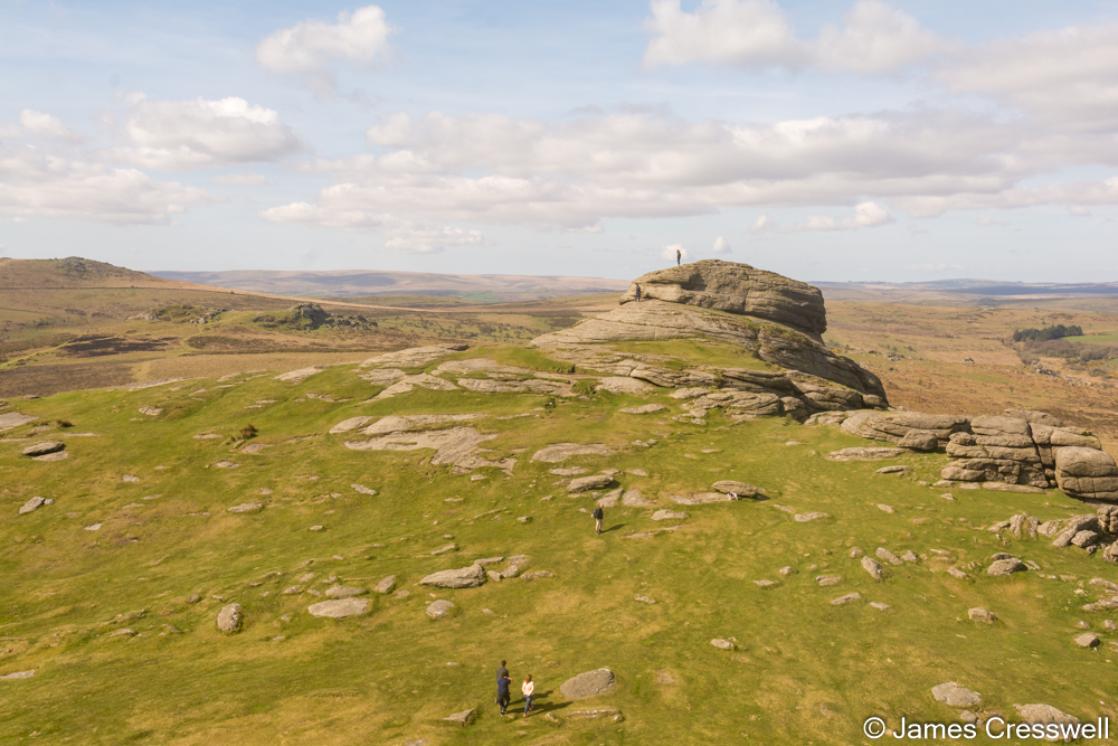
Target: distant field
column 1102, row 338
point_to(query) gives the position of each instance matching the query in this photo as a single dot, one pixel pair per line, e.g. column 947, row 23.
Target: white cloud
column 873, row 37
column 672, row 251
column 41, row 123
column 866, row 215
column 241, row 179
column 742, row 32
column 1068, row 76
column 762, row 224
column 428, row 239
column 721, row 246
column 178, row 134
column 37, row 184
column 360, row 36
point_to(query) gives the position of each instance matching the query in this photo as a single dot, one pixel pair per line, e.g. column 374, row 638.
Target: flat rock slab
column 560, row 452
column 624, row 385
column 591, row 483
column 249, row 507
column 17, row 675
column 344, row 591
column 703, row 498
column 860, row 453
column 299, row 375
column 34, row 504
column 588, row 684
column 462, row 577
column 954, row 695
column 385, row 585
column 1042, row 713
column 669, row 515
column 1006, row 567
column 340, row 608
column 440, row 609
column 462, row 719
column 734, row 487
column 350, row 424
column 12, row 420
column 848, row 598
column 723, row 644
column 44, row 448
column 643, row 409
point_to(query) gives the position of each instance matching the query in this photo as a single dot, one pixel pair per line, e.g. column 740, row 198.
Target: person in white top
column 528, row 688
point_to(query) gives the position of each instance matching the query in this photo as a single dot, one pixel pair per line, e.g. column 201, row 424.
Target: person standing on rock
column 504, row 681
column 638, row 292
column 678, row 256
column 599, row 517
column 528, row 688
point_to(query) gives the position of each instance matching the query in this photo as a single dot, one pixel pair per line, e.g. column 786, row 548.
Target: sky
column 823, row 139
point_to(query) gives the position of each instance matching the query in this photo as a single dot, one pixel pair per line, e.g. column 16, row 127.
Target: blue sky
column 826, row 140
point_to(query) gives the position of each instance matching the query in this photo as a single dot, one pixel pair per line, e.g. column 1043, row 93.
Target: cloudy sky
column 830, row 140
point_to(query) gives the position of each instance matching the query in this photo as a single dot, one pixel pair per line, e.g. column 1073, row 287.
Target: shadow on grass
column 615, row 527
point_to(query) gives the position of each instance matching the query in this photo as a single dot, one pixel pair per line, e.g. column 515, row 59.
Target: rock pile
column 1015, row 451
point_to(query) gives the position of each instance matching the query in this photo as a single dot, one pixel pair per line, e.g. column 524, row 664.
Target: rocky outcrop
column 736, row 288
column 777, row 323
column 1016, row 450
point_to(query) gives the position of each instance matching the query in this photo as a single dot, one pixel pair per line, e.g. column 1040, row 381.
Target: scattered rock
column 723, row 644
column 440, row 609
column 588, row 684
column 895, row 469
column 463, row 718
column 826, row 581
column 34, row 504
column 873, row 567
column 560, row 452
column 1044, row 714
column 979, row 614
column 344, row 591
column 1006, row 566
column 150, row 411
column 643, row 599
column 17, row 675
column 814, row 515
column 846, row 599
column 362, row 489
column 590, row 483
column 643, row 409
column 954, row 695
column 887, row 556
column 44, row 448
column 668, row 515
column 462, row 577
column 740, row 490
column 230, row 619
column 249, row 507
column 1088, row 640
column 340, row 608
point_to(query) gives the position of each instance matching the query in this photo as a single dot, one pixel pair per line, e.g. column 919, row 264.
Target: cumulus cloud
column 866, row 215
column 41, row 123
column 37, row 184
column 427, row 239
column 178, row 134
column 360, row 36
column 762, row 224
column 576, row 172
column 873, row 37
column 721, row 246
column 1067, row 77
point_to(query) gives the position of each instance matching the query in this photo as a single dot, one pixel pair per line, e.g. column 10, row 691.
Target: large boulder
column 903, row 428
column 588, row 684
column 1087, row 472
column 736, row 288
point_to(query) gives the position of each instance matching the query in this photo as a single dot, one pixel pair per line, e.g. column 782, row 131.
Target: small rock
column 956, row 572
column 855, row 552
column 230, row 619
column 765, row 583
column 34, row 504
column 909, row 556
column 340, row 608
column 1087, row 640
column 886, row 508
column 642, row 599
column 873, row 567
column 93, row 527
column 440, row 609
column 814, row 515
column 826, row 581
column 362, row 489
column 385, row 585
column 723, row 644
column 1042, row 713
column 344, row 591
column 590, row 483
column 249, row 507
column 979, row 614
column 44, row 449
column 786, row 571
column 1006, row 566
column 669, row 515
column 887, row 556
column 588, row 684
column 462, row 719
column 17, row 675
column 954, row 695
column 462, row 577
column 880, row 605
column 444, row 549
column 846, row 599
column 524, row 519
column 895, row 469
column 316, row 528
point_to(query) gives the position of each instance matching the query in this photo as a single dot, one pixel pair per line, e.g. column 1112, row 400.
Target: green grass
column 1102, row 338
column 805, row 671
column 691, row 352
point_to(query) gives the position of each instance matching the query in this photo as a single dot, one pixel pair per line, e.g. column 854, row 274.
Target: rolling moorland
column 250, row 538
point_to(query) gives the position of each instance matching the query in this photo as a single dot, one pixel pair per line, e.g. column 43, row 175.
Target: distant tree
column 1057, row 331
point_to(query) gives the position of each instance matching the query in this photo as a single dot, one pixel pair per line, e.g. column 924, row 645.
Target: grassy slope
column 805, row 671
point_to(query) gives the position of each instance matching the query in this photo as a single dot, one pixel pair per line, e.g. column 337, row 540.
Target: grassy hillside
column 167, row 555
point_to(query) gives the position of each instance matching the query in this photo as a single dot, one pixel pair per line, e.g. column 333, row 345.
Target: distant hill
column 992, row 290
column 356, row 283
column 73, row 271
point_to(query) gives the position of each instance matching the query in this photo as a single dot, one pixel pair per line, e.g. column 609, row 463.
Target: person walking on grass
column 599, row 516
column 503, row 684
column 528, row 688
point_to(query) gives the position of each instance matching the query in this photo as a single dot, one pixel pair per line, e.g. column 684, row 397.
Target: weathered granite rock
column 1086, row 472
column 461, row 577
column 588, row 684
column 230, row 619
column 340, row 608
